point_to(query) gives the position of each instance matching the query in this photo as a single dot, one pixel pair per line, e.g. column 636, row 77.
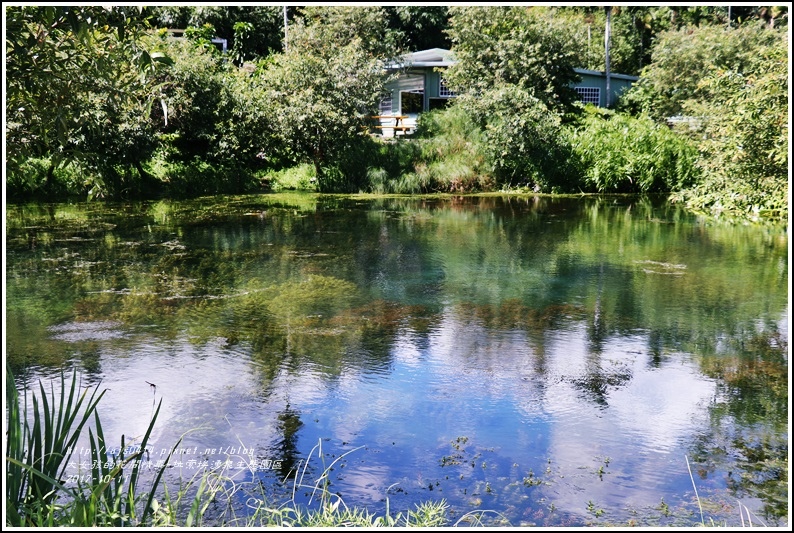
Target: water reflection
column 554, row 359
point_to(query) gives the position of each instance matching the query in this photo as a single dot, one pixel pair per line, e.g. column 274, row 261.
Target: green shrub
column 350, row 170
column 198, row 177
column 522, row 139
column 36, row 178
column 28, row 179
column 621, row 153
column 378, row 180
column 722, row 195
column 301, row 177
column 445, row 155
column 394, row 159
column 452, row 122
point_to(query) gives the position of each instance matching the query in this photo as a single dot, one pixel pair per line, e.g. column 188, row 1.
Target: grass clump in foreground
column 40, row 445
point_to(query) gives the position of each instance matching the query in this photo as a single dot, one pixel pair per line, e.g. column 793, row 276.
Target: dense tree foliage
column 511, row 45
column 683, row 57
column 323, row 30
column 196, row 87
column 631, row 31
column 213, row 137
column 266, row 24
column 742, row 132
column 331, row 76
column 79, row 89
column 421, row 27
column 105, row 102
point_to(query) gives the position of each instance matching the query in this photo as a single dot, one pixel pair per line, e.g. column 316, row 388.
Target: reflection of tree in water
column 596, row 330
column 595, row 384
column 538, row 322
column 749, row 421
column 91, row 359
column 286, row 449
column 656, row 348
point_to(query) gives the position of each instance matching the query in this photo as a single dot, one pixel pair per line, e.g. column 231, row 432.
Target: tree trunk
column 149, row 184
column 318, row 166
column 49, row 183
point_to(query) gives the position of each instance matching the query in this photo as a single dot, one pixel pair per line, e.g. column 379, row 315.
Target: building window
column 589, row 95
column 438, row 103
column 443, row 90
column 411, row 102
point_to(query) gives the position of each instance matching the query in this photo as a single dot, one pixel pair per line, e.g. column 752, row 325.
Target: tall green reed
column 39, row 447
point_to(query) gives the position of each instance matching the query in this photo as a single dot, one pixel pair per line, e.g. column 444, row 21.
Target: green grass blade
column 70, row 432
column 32, row 471
column 136, row 467
column 15, row 449
column 194, row 515
column 147, row 509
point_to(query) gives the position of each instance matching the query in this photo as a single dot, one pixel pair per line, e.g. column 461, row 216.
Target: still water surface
column 556, row 361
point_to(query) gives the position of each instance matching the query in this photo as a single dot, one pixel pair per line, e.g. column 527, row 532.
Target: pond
column 552, row 361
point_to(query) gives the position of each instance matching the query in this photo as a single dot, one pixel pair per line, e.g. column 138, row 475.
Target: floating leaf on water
column 661, row 264
column 670, row 269
column 87, row 331
column 173, row 245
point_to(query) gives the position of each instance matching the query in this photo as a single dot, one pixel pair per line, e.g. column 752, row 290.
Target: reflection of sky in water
column 492, row 399
column 518, row 413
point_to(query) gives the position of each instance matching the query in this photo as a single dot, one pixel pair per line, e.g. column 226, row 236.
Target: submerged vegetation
column 159, row 117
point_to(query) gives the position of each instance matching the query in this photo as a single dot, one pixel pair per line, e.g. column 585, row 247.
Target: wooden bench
column 398, row 125
column 388, row 117
column 401, row 128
